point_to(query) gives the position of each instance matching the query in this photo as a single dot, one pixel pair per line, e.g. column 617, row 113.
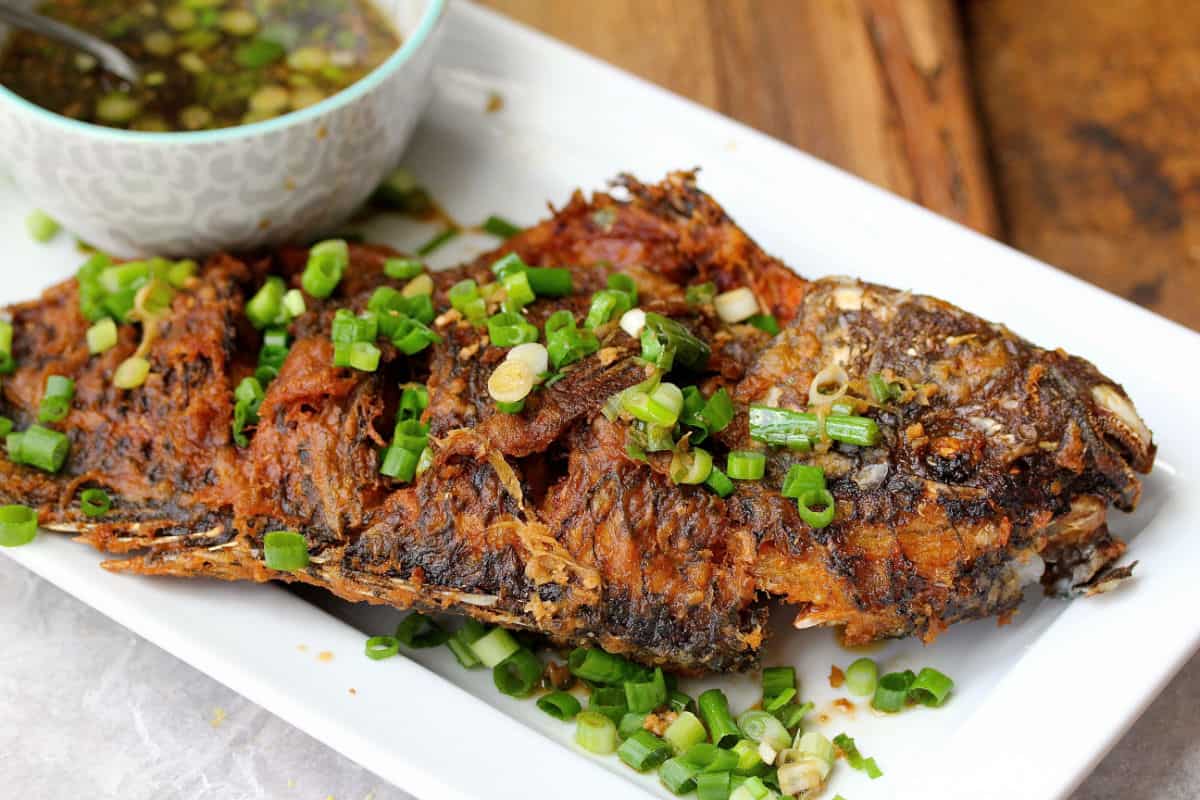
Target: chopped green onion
column 419, row 286
column 691, row 466
column 494, row 646
column 568, row 345
column 560, row 705
column 500, row 227
column 510, row 408
column 266, row 306
column 643, row 751
column 710, row 757
column 508, row 264
column 714, row 710
column 460, row 643
column 762, row 726
column 424, row 461
column 861, row 677
column 678, row 701
column 347, row 328
column 595, row 733
column 102, row 336
column 437, row 241
column 792, row 714
column 746, row 465
column 855, row 759
column 765, row 322
column 684, row 732
column 94, row 502
column 781, row 426
column 402, row 269
column 816, row 507
column 131, row 373
column 620, row 282
column 660, row 406
column 606, row 304
column 381, row 647
column 748, row 758
column 713, row 786
column 609, row 701
column 41, row 226
column 18, row 525
column 412, row 336
column 6, row 426
column 362, row 356
column 719, row 482
column 413, row 400
column 778, row 701
column 802, row 478
column 293, row 303
column 862, row 431
column 597, row 666
column 327, row 262
column 753, row 789
column 518, row 292
column 892, row 691
column 550, row 281
column 717, row 412
column 7, row 362
column 778, row 681
column 401, row 192
column 664, row 340
column 630, row 724
column 39, row 447
column 420, row 632
column 678, row 775
column 507, row 329
column 518, row 675
column 736, row 305
column 700, row 294
column 931, row 688
column 646, row 696
column 286, row 551
column 56, row 400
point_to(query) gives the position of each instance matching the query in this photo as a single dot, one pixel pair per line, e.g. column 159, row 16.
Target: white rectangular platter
column 1037, row 703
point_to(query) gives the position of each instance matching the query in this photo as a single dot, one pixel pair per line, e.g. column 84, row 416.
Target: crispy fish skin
column 998, row 454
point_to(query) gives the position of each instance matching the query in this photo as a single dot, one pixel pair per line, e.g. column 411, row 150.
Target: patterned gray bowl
column 132, row 193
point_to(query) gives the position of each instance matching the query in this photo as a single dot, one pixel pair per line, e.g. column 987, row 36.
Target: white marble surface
column 89, row 710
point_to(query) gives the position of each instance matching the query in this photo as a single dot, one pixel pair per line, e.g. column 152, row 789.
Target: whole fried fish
column 996, row 460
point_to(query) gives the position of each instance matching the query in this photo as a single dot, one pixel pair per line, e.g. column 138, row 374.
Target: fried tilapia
column 993, row 464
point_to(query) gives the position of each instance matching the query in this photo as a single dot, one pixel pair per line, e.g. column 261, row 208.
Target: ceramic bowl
column 132, row 193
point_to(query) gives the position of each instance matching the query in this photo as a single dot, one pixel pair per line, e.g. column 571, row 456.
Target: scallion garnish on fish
column 18, row 525
column 56, row 400
column 94, row 502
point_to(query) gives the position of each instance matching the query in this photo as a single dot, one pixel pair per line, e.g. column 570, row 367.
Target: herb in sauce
column 205, row 63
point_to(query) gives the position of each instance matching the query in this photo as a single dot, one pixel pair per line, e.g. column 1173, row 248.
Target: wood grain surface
column 1089, row 110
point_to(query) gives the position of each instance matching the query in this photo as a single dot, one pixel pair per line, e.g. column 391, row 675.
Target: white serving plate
column 1037, row 702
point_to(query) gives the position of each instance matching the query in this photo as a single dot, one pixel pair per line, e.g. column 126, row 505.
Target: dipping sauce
column 205, row 63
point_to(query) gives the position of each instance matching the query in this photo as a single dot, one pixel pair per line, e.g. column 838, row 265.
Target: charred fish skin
column 997, row 458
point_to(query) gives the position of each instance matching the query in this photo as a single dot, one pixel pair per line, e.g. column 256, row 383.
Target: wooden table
column 1087, row 106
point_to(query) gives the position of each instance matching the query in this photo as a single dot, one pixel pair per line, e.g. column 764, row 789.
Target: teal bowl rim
column 433, row 12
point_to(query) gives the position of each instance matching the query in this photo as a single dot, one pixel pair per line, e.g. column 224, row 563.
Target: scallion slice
column 518, row 675
column 500, row 227
column 816, row 507
column 714, row 710
column 286, row 551
column 710, row 758
column 781, row 426
column 327, row 262
column 764, row 322
column 646, row 696
column 7, row 362
column 630, row 724
column 494, row 646
column 56, row 400
column 931, row 688
column 700, row 294
column 460, row 643
column 102, row 336
column 94, row 502
column 402, row 269
column 266, row 306
column 664, row 341
column 381, row 647
column 18, row 525
column 419, row 632
column 736, row 305
column 746, row 465
column 438, row 241
column 777, row 682
column 720, row 483
column 568, row 345
column 892, row 691
column 691, row 466
column 802, row 478
column 609, row 701
column 595, row 733
column 679, row 701
column 762, row 726
column 41, row 226
column 507, row 329
column 749, row 760
column 678, row 775
column 861, row 677
column 550, row 281
column 643, row 751
column 855, row 758
column 685, row 731
column 598, row 666
column 40, row 447
column 607, row 304
column 560, row 705
column 713, row 785
column 518, row 292
column 792, row 714
column 753, row 788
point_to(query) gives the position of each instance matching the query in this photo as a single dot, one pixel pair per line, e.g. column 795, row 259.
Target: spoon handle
column 112, row 59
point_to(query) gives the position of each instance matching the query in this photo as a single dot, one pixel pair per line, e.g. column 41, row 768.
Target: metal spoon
column 110, row 58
